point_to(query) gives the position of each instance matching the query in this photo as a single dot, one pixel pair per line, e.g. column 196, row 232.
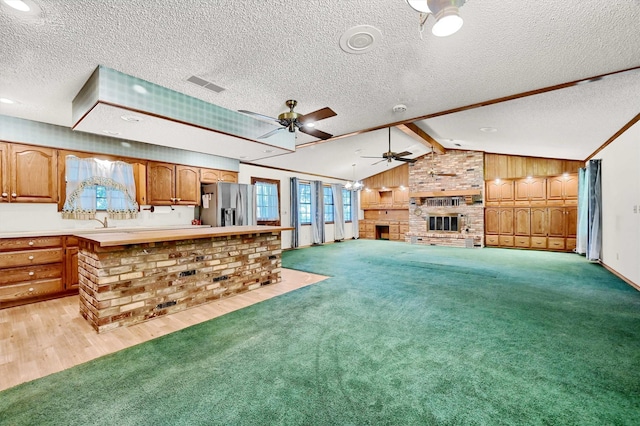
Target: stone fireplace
column 447, row 210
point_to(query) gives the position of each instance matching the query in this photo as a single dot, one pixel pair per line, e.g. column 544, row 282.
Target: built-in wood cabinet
column 563, row 189
column 18, row 181
column 214, row 176
column 530, row 190
column 499, row 191
column 171, row 184
column 71, row 276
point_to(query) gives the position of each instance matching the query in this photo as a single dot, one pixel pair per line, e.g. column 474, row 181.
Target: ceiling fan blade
column 364, row 156
column 384, row 159
column 315, row 132
column 318, row 115
column 264, row 117
column 406, row 160
column 402, row 154
column 271, row 133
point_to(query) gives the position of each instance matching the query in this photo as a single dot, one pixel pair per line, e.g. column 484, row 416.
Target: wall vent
column 204, row 83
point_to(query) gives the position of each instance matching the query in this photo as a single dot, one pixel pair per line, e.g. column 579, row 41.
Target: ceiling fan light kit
column 445, row 12
column 292, row 120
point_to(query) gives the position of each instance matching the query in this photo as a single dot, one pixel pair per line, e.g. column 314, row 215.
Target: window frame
column 328, row 192
column 255, row 180
column 301, row 186
column 349, row 205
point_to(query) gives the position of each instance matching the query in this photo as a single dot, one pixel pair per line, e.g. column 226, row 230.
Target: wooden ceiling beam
column 421, row 136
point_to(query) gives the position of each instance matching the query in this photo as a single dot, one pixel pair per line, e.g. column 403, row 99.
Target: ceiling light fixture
column 18, row 5
column 354, row 185
column 446, row 13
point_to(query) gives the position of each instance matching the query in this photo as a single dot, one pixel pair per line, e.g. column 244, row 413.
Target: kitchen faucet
column 104, row 224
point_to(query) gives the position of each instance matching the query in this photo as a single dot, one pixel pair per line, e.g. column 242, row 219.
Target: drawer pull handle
column 31, row 243
column 30, row 257
column 30, row 289
column 31, row 273
column 5, row 195
column 14, row 195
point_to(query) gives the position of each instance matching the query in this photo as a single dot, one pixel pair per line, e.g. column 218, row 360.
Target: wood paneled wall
column 398, row 176
column 514, row 167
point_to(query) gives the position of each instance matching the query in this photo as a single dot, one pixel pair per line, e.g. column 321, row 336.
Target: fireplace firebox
column 444, row 222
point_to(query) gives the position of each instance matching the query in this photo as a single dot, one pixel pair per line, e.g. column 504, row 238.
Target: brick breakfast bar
column 130, row 277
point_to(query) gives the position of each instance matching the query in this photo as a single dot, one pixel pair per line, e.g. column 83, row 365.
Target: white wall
column 248, row 171
column 621, row 204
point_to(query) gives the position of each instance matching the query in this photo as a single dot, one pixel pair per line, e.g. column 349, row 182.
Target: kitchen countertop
column 138, row 236
column 98, row 230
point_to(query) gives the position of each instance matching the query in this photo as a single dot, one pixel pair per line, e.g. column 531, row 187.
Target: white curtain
column 295, row 212
column 317, row 212
column 583, row 208
column 338, row 212
column 83, row 175
column 355, row 211
column 594, row 243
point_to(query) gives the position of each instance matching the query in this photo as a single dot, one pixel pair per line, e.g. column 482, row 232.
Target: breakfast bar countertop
column 112, row 239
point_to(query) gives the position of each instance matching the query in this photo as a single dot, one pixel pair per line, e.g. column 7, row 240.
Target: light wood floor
column 47, row 337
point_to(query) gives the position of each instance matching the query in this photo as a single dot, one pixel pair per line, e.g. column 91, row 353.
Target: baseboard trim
column 619, row 275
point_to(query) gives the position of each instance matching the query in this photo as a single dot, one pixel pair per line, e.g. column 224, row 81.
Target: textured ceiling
column 265, row 52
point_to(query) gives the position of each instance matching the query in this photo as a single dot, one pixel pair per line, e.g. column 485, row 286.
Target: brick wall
column 125, row 285
column 468, row 166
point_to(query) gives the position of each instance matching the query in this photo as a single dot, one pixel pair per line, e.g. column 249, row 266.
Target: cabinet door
column 571, row 187
column 4, row 173
column 571, row 214
column 400, row 198
column 368, row 199
column 555, row 188
column 522, row 220
column 209, row 175
column 506, row 222
column 226, row 176
column 187, row 185
column 557, row 222
column 34, row 174
column 72, row 279
column 492, row 221
column 160, row 183
column 538, row 222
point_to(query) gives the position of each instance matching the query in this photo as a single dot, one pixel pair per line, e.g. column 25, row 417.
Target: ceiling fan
column 432, row 171
column 292, row 120
column 390, row 155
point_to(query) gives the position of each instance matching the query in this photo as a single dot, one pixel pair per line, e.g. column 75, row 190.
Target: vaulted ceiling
column 265, row 52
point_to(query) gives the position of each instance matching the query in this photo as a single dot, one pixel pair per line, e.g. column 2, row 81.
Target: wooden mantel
column 453, row 193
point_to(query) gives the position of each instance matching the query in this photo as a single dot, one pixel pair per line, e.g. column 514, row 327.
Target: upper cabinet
column 530, row 189
column 563, row 188
column 214, row 176
column 28, row 174
column 169, row 184
column 498, row 191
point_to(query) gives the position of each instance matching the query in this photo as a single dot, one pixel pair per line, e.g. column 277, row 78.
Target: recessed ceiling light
column 23, row 7
column 360, row 39
column 488, row 129
column 139, row 89
column 131, row 118
column 110, row 132
column 7, row 101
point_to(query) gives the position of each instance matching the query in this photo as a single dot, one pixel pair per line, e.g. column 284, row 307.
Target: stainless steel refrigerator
column 228, row 204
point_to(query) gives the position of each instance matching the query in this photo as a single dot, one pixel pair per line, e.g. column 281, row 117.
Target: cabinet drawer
column 30, row 257
column 506, row 240
column 31, row 273
column 492, row 240
column 521, row 242
column 394, row 229
column 72, row 241
column 7, row 244
column 556, row 243
column 29, row 289
column 539, row 242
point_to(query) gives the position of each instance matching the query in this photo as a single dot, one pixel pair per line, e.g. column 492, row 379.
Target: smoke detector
column 400, row 108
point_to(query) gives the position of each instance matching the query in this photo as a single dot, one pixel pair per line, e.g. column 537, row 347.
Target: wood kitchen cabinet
column 71, row 276
column 499, row 191
column 214, row 176
column 171, row 184
column 28, row 174
column 563, row 189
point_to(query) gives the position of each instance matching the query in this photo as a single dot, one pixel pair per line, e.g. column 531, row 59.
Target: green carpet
column 399, row 335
